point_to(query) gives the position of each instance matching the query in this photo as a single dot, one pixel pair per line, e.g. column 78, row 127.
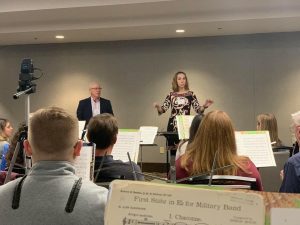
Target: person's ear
column 27, row 148
column 77, row 148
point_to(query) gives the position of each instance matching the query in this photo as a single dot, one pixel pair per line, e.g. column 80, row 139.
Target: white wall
column 244, row 75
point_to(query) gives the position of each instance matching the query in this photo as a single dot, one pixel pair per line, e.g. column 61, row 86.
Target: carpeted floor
column 154, row 175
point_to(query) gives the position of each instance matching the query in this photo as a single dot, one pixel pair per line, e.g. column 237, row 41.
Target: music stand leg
column 167, row 157
column 141, row 158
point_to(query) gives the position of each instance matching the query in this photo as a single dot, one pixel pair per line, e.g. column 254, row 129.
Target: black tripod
column 18, row 148
column 22, row 137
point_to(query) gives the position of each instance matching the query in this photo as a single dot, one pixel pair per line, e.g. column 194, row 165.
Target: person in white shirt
column 93, row 105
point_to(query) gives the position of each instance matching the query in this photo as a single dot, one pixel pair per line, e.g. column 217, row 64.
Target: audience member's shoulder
column 245, row 160
column 92, row 186
column 10, row 186
column 104, row 99
column 85, row 99
column 127, row 165
column 295, row 159
column 91, row 189
column 182, row 147
column 137, row 167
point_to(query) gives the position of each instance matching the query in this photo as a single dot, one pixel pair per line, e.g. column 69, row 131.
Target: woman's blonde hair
column 175, row 87
column 214, row 138
column 267, row 121
column 3, row 123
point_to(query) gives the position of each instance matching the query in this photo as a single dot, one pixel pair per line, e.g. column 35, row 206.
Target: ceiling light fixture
column 180, row 31
column 59, row 36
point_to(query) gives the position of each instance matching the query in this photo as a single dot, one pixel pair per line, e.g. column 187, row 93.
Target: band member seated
column 51, row 193
column 103, row 131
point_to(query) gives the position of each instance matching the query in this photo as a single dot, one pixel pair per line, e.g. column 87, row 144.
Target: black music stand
column 141, row 151
column 168, row 135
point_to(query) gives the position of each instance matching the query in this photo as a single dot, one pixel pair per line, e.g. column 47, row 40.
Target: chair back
column 13, row 176
column 270, row 175
column 105, row 180
column 227, row 181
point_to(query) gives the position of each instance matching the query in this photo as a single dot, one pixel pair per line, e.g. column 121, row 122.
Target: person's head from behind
column 6, row 129
column 214, row 138
column 267, row 121
column 194, row 126
column 180, row 81
column 95, row 90
column 297, row 133
column 102, row 131
column 52, row 135
column 296, row 125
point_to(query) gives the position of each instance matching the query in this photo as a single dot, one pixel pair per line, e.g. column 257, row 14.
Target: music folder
column 137, row 202
column 84, row 163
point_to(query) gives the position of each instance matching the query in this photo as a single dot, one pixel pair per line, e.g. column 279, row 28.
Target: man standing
column 51, row 193
column 93, row 105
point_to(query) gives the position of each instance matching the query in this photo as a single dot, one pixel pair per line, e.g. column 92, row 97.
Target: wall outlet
column 161, row 150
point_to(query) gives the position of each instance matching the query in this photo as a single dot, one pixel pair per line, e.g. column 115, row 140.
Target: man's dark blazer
column 84, row 109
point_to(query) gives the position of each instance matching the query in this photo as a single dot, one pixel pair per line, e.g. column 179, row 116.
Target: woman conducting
column 181, row 99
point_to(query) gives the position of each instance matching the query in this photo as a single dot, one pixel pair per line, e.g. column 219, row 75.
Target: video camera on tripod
column 26, row 76
column 26, row 86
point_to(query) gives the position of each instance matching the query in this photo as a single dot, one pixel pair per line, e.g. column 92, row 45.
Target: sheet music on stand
column 128, row 140
column 183, row 125
column 257, row 146
column 148, row 134
column 84, row 164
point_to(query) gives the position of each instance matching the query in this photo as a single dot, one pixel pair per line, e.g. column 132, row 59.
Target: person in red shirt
column 215, row 139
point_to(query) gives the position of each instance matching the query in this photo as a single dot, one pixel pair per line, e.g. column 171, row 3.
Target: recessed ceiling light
column 60, row 36
column 180, row 31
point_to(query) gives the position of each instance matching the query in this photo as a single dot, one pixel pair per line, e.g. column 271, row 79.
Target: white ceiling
column 38, row 21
